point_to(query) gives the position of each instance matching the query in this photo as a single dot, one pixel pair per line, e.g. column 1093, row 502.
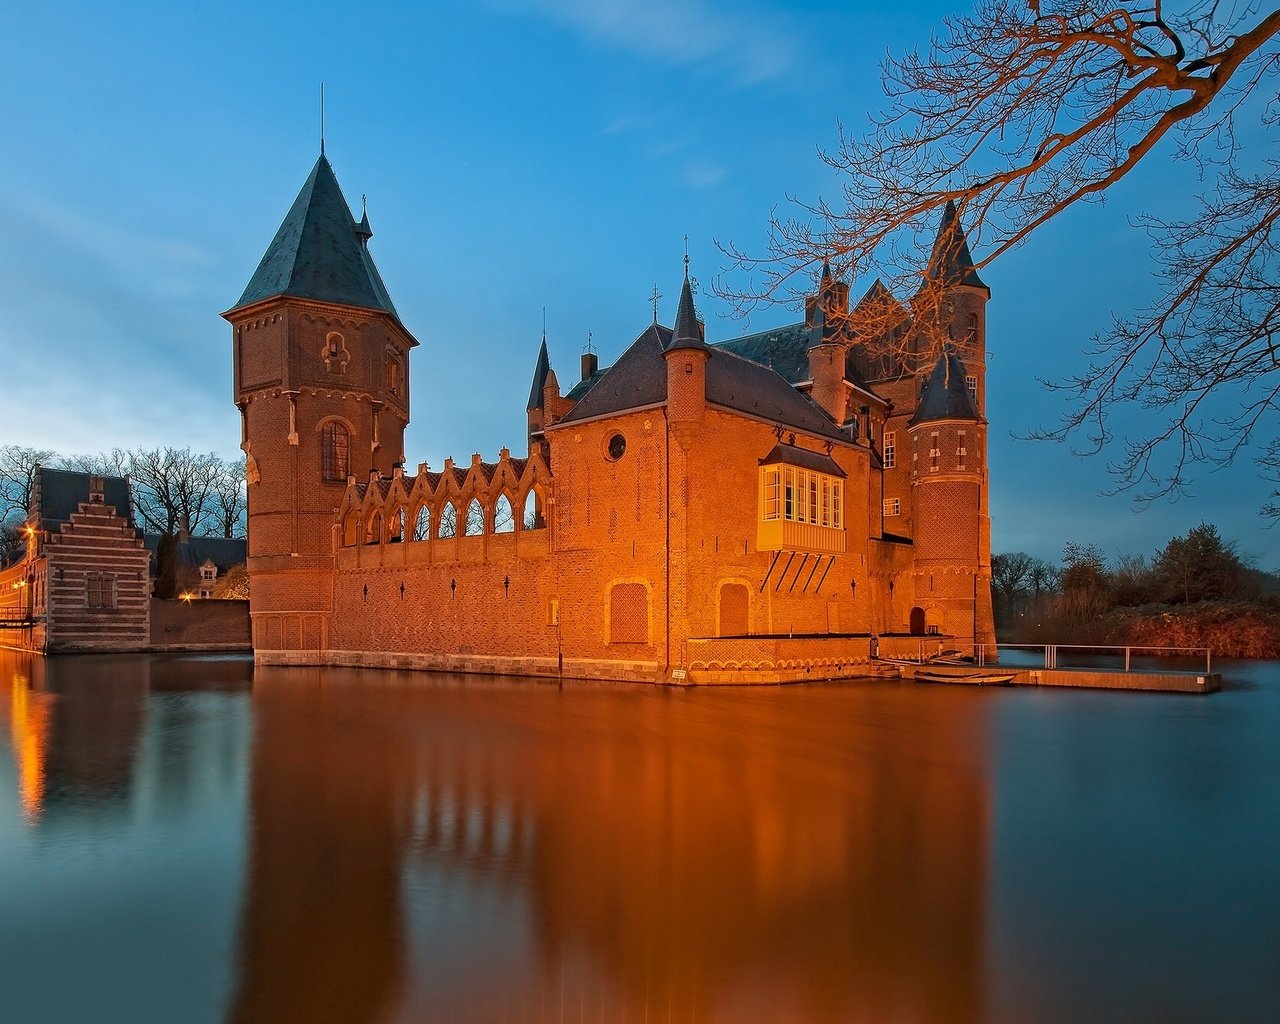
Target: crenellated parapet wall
column 455, row 515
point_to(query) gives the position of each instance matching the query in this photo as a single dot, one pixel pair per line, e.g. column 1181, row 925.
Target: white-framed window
column 890, row 449
column 971, row 382
column 801, row 496
column 892, row 506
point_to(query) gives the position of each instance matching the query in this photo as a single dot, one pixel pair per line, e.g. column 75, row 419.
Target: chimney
column 590, row 363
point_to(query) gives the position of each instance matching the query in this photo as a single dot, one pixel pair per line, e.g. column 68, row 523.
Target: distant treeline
column 1196, row 591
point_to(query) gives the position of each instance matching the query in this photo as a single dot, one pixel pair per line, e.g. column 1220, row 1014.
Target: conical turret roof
column 687, row 333
column 540, row 371
column 951, row 262
column 320, row 252
column 946, row 395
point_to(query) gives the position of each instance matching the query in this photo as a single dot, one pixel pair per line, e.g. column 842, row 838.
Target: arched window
column 374, row 534
column 422, row 524
column 504, row 520
column 349, row 528
column 393, row 374
column 397, row 526
column 475, row 519
column 335, row 452
column 448, row 521
column 533, row 518
column 972, row 332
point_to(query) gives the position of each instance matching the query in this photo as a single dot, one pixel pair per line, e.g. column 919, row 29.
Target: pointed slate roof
column 951, row 262
column 687, row 333
column 540, row 371
column 320, row 252
column 946, row 395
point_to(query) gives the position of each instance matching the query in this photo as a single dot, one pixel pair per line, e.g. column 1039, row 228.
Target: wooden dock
column 1150, row 677
column 1091, row 678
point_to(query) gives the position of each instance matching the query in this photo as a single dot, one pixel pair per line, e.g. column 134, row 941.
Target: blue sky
column 515, row 155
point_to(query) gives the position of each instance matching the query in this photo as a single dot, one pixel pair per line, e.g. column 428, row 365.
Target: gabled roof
column 946, row 395
column 59, row 492
column 320, row 252
column 639, row 379
column 540, row 370
column 223, row 552
column 951, row 262
column 785, row 350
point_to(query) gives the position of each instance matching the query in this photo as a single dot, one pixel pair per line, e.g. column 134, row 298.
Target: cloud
column 702, row 174
column 750, row 46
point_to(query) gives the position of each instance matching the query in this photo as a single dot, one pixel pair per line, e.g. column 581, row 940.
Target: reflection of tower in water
column 810, row 854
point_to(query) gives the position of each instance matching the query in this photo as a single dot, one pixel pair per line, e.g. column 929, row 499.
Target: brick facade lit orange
column 626, row 544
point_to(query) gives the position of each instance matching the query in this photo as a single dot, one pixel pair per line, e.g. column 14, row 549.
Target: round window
column 617, row 446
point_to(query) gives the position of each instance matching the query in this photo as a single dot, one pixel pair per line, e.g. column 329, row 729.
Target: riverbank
column 1231, row 629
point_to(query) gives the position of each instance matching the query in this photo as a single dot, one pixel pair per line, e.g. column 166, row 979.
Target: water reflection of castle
column 709, row 859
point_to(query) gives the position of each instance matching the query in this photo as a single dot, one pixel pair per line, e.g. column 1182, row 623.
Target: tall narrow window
column 789, row 493
column 961, row 451
column 813, row 499
column 971, row 382
column 335, row 452
column 772, row 493
column 890, row 449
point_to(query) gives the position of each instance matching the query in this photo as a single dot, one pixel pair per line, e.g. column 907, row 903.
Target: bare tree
column 17, row 478
column 1024, row 108
column 230, row 499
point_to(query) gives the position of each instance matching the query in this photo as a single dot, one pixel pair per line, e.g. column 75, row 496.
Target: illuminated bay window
column 801, row 502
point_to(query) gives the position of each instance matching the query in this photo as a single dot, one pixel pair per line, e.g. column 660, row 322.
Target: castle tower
column 686, row 357
column 827, row 315
column 948, row 435
column 322, row 383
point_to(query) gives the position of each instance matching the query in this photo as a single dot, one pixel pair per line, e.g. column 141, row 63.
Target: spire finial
column 590, row 347
column 544, row 324
column 686, row 255
column 322, row 118
column 654, row 296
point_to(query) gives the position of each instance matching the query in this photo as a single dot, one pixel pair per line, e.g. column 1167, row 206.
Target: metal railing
column 1052, row 651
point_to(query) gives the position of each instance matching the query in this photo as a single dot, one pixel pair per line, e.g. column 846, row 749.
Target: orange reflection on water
column 428, row 850
column 29, row 720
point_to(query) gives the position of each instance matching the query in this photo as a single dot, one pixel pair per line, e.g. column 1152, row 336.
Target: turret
column 828, row 314
column 686, row 357
column 322, row 383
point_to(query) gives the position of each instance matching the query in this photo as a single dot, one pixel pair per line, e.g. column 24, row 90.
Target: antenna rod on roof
column 322, row 118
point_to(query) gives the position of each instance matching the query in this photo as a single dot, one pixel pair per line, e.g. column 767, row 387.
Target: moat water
column 186, row 840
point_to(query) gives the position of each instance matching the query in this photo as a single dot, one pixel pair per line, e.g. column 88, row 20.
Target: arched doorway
column 917, row 622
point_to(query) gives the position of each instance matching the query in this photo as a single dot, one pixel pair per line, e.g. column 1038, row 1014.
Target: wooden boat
column 970, row 674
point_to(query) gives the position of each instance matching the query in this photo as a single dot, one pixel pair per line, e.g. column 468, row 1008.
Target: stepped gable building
column 83, row 583
column 764, row 508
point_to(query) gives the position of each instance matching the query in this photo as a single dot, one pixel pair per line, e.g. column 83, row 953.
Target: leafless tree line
column 173, row 489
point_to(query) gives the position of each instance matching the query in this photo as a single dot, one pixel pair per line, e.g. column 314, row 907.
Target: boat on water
column 970, row 674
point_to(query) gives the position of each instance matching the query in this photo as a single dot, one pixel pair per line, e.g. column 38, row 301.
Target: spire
column 946, row 395
column 319, row 252
column 540, row 371
column 687, row 333
column 951, row 263
column 826, row 270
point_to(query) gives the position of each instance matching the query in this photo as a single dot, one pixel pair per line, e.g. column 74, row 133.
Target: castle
column 769, row 508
